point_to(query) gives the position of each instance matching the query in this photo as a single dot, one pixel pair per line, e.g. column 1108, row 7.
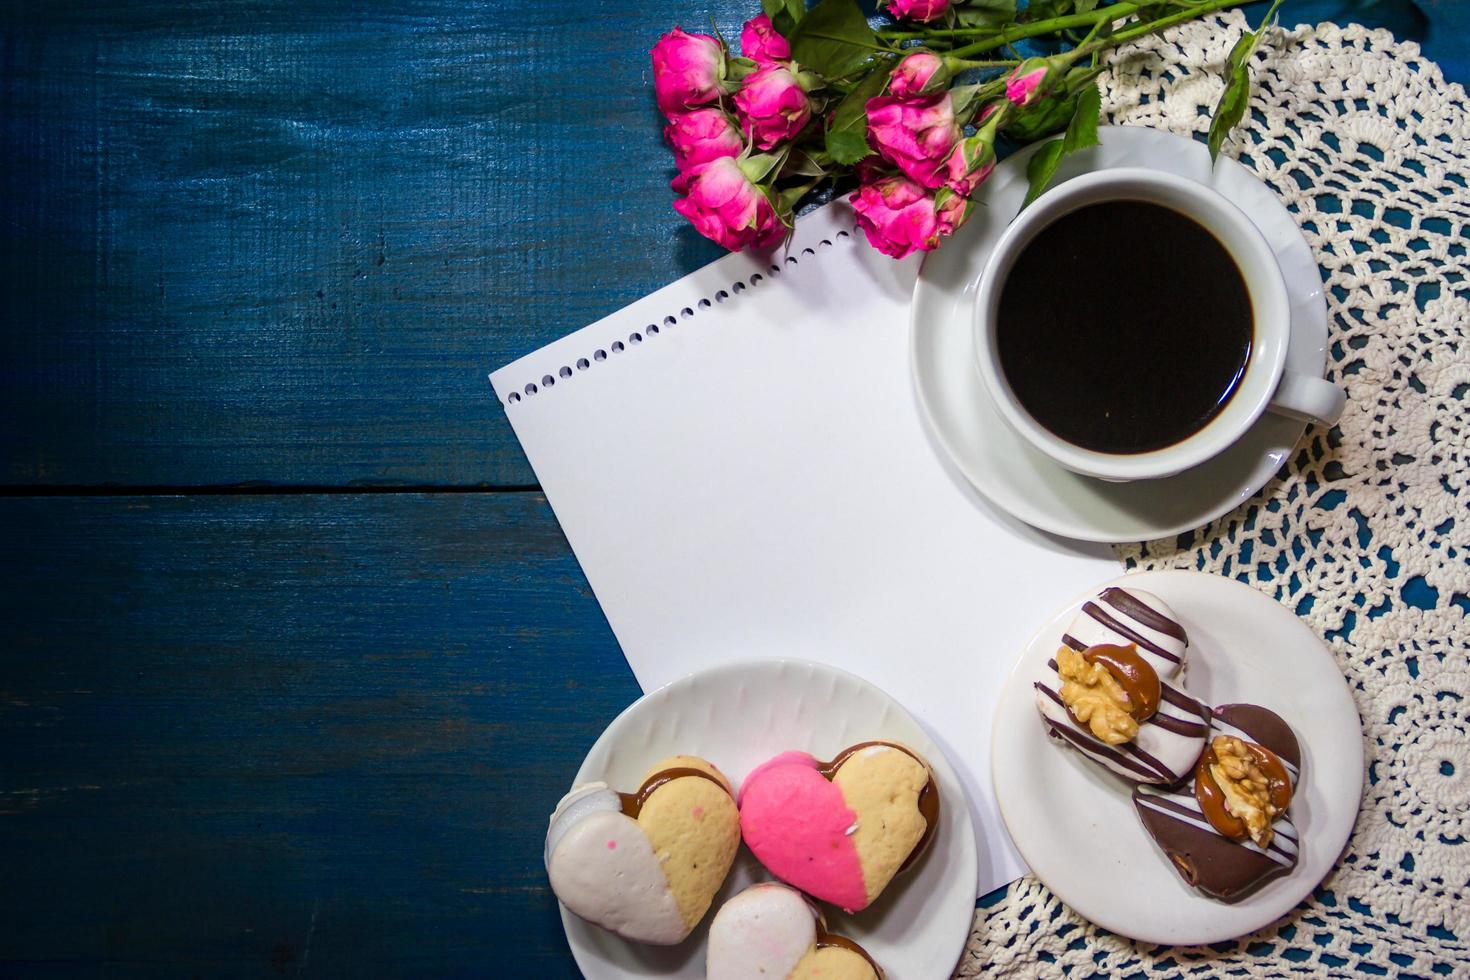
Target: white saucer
column 1003, row 466
column 1075, row 824
column 738, row 716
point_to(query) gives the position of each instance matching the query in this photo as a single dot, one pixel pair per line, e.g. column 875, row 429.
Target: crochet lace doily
column 1365, row 533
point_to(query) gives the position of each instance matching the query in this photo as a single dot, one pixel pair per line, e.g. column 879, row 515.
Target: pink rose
column 687, row 70
column 920, row 71
column 916, row 135
column 1026, row 82
column 762, row 43
column 920, row 10
column 897, row 216
column 725, row 207
column 772, row 106
column 702, row 135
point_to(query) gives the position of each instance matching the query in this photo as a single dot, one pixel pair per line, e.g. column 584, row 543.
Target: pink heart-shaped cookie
column 840, row 831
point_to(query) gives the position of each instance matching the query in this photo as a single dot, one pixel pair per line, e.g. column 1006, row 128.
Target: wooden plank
column 242, row 734
column 289, row 245
column 285, row 244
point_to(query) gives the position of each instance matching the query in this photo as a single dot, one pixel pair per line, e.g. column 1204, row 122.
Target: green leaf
column 1236, row 98
column 834, row 39
column 1082, row 130
column 1041, row 168
column 784, row 14
column 803, row 164
column 986, row 13
column 760, row 165
column 1047, row 9
column 847, row 135
column 1081, row 133
column 1041, row 118
column 1230, row 110
column 848, row 148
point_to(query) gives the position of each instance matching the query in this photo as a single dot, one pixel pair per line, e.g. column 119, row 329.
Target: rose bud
column 950, row 211
column 899, row 217
column 974, row 157
column 688, row 71
column 921, row 73
column 702, row 135
column 920, row 10
column 726, row 207
column 772, row 105
column 1030, row 80
column 762, row 43
column 917, row 135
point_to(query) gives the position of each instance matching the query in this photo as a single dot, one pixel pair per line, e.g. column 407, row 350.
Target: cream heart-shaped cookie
column 840, row 830
column 1114, row 691
column 645, row 865
column 771, row 932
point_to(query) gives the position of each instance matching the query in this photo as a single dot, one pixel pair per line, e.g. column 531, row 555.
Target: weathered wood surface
column 245, row 733
column 284, row 241
column 281, row 243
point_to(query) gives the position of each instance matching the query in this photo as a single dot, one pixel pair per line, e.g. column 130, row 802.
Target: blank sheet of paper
column 740, row 465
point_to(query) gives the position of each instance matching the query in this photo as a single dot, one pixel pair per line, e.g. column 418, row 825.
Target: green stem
column 1052, row 25
column 966, row 65
column 885, row 48
column 1142, row 30
column 1112, row 13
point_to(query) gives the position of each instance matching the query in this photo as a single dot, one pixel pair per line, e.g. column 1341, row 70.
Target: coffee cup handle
column 1309, row 398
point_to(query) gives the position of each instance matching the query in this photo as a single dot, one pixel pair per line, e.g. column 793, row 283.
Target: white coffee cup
column 1266, row 385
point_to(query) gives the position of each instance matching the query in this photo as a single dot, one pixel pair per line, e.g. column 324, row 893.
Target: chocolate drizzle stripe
column 1096, row 748
column 1169, row 723
column 1228, row 729
column 1171, row 809
column 1124, row 630
column 1147, row 759
column 1091, row 745
column 1181, row 700
column 1190, row 802
column 1069, row 640
column 1125, row 602
column 1178, row 725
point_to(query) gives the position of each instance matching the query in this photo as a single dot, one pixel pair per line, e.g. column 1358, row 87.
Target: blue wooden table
column 295, row 658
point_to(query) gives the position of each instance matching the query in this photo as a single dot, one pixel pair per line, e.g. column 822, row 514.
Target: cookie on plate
column 1114, row 690
column 840, row 830
column 645, row 865
column 1228, row 831
column 772, row 932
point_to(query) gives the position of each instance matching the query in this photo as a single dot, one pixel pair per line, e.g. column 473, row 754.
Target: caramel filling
column 825, row 938
column 1213, row 800
column 633, row 802
column 1137, row 678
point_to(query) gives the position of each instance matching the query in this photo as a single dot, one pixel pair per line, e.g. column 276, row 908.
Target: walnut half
column 1095, row 698
column 1246, row 789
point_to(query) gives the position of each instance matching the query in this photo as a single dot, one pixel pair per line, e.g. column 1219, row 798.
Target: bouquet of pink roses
column 908, row 111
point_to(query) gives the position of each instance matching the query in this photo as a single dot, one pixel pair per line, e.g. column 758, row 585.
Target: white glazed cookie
column 772, row 932
column 1165, row 745
column 645, row 865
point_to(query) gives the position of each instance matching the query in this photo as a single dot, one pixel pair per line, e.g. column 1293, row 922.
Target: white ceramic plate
column 1075, row 824
column 738, row 716
column 1002, row 465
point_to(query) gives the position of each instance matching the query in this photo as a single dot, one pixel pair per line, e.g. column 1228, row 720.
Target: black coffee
column 1124, row 327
